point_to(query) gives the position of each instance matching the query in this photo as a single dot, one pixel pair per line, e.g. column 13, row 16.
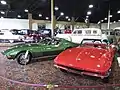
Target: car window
column 75, row 32
column 87, row 41
column 94, row 32
column 88, row 31
column 107, row 33
column 103, row 32
column 97, row 43
column 80, row 32
column 112, row 33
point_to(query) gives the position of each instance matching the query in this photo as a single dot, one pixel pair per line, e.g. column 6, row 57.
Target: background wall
column 112, row 26
column 24, row 24
column 16, row 24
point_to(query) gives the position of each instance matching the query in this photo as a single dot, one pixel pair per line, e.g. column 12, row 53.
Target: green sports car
column 46, row 48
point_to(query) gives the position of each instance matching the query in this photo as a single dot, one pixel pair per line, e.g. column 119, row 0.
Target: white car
column 85, row 33
column 7, row 35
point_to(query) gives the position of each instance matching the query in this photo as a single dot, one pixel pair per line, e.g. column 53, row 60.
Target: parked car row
column 94, row 49
column 24, row 35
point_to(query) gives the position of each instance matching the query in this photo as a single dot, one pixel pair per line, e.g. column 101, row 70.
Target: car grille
column 78, row 71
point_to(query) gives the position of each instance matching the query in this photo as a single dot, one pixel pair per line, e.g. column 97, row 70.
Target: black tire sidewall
column 18, row 58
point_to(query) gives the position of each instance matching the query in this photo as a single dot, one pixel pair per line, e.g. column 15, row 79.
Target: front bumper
column 84, row 72
column 8, row 56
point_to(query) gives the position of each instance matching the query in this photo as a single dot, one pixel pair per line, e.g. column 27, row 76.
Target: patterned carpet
column 43, row 72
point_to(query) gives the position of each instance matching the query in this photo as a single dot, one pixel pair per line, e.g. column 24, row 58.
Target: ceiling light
column 105, row 19
column 118, row 11
column 66, row 17
column 19, row 16
column 91, row 6
column 3, row 2
column 114, row 22
column 119, row 20
column 89, row 13
column 40, row 15
column 87, row 16
column 110, row 16
column 2, row 12
column 102, row 20
column 47, row 18
column 56, row 8
column 26, row 10
column 61, row 13
column 69, row 19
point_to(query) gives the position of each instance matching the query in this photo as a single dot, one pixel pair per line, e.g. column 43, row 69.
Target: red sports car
column 94, row 58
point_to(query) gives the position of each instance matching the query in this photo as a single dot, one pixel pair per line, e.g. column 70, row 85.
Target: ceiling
column 71, row 8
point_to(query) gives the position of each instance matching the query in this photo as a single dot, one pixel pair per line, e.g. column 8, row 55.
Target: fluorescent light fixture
column 56, row 8
column 66, row 17
column 91, row 6
column 105, row 19
column 19, row 16
column 40, row 15
column 89, row 13
column 26, row 10
column 2, row 12
column 110, row 15
column 3, row 2
column 47, row 18
column 69, row 19
column 61, row 13
column 118, row 11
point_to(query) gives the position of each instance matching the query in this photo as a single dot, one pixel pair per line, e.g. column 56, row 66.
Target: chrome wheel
column 22, row 60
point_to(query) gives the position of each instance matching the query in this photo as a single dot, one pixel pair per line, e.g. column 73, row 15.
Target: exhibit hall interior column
column 73, row 23
column 53, row 18
column 30, row 20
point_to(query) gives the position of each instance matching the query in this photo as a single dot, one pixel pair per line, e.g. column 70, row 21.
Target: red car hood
column 85, row 58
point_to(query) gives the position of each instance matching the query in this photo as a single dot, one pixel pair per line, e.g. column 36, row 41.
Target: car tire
column 21, row 58
column 11, row 41
column 62, row 70
column 105, row 80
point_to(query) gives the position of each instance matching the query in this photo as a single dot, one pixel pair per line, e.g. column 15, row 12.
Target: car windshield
column 94, row 43
column 50, row 41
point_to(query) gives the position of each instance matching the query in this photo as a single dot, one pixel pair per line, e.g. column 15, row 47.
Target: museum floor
column 39, row 73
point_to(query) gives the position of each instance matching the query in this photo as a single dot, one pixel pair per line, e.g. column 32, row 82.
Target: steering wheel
column 97, row 42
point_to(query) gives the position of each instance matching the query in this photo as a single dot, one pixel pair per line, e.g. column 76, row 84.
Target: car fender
column 22, row 52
